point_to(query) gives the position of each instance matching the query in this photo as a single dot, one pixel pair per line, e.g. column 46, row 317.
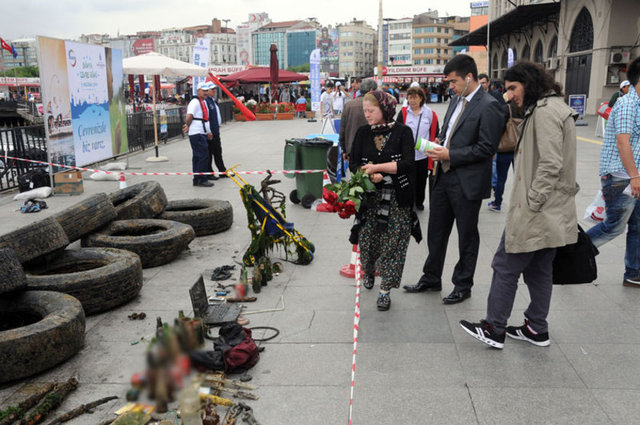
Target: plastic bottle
column 189, row 404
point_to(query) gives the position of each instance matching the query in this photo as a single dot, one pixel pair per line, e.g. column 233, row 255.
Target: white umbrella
column 153, row 63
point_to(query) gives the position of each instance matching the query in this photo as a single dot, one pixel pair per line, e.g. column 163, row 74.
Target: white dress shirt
column 456, row 112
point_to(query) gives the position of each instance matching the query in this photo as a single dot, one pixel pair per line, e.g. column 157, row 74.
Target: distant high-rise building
column 399, row 42
column 244, row 38
column 431, row 36
column 26, row 50
column 357, row 50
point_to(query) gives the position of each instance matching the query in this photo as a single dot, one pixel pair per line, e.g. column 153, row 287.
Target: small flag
column 5, row 46
column 13, row 51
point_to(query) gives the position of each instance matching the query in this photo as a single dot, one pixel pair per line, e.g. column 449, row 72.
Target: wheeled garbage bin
column 311, row 154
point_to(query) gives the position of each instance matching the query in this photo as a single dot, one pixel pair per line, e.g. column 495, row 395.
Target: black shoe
column 525, row 333
column 369, row 281
column 484, row 332
column 223, row 176
column 423, row 286
column 457, row 296
column 204, row 183
column 631, row 282
column 212, row 177
column 384, row 301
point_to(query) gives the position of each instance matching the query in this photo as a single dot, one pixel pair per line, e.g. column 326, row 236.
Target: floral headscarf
column 387, row 105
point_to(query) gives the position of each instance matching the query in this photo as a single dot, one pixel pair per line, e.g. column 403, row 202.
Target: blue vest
column 213, row 115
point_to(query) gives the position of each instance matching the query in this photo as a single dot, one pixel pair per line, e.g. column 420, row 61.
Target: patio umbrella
column 153, row 63
column 261, row 74
column 274, row 69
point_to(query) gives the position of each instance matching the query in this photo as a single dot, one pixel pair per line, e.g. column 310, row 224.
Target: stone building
column 357, row 49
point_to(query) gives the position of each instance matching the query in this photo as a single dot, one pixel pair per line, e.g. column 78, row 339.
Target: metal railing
column 20, row 142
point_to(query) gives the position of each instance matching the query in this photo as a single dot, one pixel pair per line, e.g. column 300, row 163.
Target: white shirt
column 338, row 100
column 327, row 104
column 424, row 117
column 456, row 112
column 194, row 108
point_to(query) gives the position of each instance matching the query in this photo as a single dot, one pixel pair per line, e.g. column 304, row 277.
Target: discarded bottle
column 189, row 405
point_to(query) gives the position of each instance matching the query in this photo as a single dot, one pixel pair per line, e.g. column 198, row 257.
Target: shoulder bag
column 510, row 136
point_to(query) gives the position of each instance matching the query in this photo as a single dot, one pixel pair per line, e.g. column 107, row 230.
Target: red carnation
column 344, row 214
column 350, row 207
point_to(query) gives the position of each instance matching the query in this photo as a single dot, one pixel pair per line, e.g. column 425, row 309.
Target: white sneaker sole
column 480, row 337
column 522, row 337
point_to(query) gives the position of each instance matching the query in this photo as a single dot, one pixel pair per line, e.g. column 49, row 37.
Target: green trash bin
column 292, row 156
column 313, row 156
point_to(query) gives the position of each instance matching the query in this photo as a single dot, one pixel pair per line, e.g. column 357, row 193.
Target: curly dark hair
column 536, row 81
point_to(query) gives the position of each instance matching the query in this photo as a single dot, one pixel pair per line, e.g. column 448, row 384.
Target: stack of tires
column 46, row 290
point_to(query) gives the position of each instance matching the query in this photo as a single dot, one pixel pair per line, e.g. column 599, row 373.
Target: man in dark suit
column 469, row 138
column 214, row 144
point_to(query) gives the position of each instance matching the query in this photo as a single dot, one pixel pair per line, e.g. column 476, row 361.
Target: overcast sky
column 71, row 18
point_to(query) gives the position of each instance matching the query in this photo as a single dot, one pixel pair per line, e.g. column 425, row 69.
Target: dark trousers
column 422, row 172
column 503, row 162
column 447, row 204
column 200, row 156
column 537, row 270
column 215, row 152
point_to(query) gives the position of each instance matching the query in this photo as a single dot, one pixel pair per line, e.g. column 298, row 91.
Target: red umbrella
column 261, row 74
column 274, row 69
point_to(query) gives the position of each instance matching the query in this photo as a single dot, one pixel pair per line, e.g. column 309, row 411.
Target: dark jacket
column 473, row 143
column 399, row 148
column 352, row 119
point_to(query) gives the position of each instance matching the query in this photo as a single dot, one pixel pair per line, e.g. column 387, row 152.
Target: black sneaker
column 525, row 333
column 384, row 301
column 484, row 332
column 369, row 281
column 631, row 282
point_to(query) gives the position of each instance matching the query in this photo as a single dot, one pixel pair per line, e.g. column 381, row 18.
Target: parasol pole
column 155, row 129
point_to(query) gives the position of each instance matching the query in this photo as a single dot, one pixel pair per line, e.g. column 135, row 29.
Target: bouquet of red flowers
column 346, row 197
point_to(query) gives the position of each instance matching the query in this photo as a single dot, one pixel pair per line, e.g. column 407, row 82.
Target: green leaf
column 357, row 202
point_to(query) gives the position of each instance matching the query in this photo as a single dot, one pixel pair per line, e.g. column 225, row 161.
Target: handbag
column 576, row 263
column 511, row 134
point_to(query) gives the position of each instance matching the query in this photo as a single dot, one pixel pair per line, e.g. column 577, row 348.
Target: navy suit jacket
column 473, row 143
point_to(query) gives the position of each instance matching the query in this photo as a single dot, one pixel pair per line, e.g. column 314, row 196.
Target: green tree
column 22, row 72
column 305, row 67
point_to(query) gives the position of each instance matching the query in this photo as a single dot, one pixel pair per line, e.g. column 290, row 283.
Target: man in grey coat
column 542, row 210
column 353, row 118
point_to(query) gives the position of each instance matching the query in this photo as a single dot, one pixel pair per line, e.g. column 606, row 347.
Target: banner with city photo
column 82, row 90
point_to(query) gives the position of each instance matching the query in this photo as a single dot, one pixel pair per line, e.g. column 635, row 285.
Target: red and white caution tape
column 356, row 325
column 186, row 173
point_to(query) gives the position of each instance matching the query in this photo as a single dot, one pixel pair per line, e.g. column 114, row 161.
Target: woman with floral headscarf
column 384, row 150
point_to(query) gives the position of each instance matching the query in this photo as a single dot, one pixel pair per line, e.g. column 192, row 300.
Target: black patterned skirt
column 386, row 245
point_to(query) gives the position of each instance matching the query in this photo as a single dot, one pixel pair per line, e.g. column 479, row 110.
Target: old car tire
column 86, row 216
column 206, row 216
column 58, row 335
column 11, row 272
column 35, row 240
column 157, row 242
column 100, row 278
column 142, row 200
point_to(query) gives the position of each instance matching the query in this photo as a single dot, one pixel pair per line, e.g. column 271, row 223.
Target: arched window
column 553, row 47
column 526, row 52
column 538, row 56
column 504, row 61
column 515, row 55
column 495, row 61
column 582, row 33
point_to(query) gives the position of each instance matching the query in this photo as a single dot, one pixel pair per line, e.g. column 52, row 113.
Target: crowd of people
column 528, row 126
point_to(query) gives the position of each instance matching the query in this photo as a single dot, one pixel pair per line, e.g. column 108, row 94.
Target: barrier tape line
column 188, row 173
column 356, row 325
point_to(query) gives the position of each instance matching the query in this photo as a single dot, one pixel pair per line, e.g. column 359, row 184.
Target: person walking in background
column 619, row 165
column 423, row 123
column 469, row 137
column 197, row 125
column 355, row 87
column 215, row 143
column 339, row 98
column 326, row 101
column 384, row 150
column 624, row 89
column 353, row 118
column 542, row 212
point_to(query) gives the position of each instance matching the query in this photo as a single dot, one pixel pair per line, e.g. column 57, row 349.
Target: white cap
column 338, row 83
column 202, row 86
column 624, row 84
column 210, row 85
column 414, row 84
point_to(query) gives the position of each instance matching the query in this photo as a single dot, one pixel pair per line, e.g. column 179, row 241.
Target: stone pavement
column 415, row 364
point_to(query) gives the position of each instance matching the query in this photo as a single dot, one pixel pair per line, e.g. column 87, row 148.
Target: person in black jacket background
column 384, row 150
